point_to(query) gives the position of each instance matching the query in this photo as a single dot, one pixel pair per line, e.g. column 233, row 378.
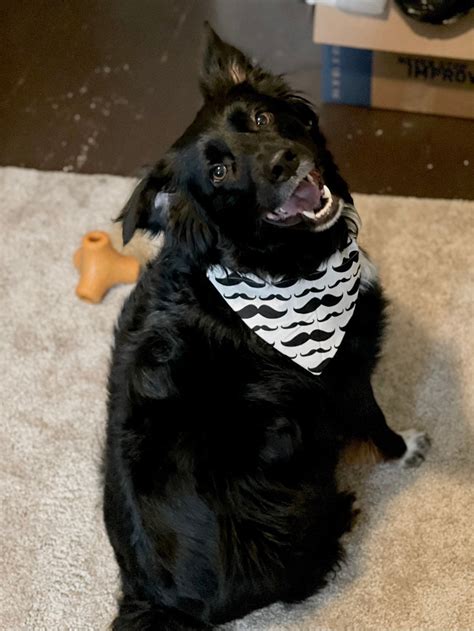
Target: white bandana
column 305, row 318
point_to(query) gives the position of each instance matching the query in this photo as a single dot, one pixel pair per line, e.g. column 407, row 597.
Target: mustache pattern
column 347, row 262
column 269, row 297
column 286, row 282
column 320, row 367
column 323, row 300
column 351, row 306
column 251, row 310
column 315, row 275
column 231, row 280
column 334, row 314
column 343, row 280
column 244, row 296
column 316, row 336
column 311, row 290
column 300, row 323
column 264, row 327
column 314, row 303
column 353, row 290
column 275, row 297
column 315, row 350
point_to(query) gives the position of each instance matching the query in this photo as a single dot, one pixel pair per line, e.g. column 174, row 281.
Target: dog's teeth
column 309, row 178
column 273, row 216
column 309, row 214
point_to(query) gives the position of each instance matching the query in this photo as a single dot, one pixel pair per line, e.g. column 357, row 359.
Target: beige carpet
column 411, row 557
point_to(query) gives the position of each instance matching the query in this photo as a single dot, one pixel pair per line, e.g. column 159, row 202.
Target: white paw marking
column 418, row 445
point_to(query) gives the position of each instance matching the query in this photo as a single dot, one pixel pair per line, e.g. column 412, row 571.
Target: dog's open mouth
column 310, row 202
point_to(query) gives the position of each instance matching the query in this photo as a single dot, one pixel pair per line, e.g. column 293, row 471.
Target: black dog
column 220, row 492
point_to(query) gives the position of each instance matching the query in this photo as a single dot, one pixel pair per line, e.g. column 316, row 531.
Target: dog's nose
column 283, row 165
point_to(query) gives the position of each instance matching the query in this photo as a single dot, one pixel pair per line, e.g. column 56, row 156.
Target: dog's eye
column 218, row 172
column 263, row 118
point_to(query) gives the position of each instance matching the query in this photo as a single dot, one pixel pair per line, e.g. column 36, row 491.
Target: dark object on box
column 435, row 11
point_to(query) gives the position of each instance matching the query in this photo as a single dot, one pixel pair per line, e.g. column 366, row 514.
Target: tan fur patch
column 237, row 73
column 142, row 246
column 361, row 452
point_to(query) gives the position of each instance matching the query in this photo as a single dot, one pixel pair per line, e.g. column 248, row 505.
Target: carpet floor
column 410, row 558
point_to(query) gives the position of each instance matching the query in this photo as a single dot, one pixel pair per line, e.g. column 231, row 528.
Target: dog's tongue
column 306, row 197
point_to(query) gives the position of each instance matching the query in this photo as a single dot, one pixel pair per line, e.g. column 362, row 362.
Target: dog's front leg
column 365, row 422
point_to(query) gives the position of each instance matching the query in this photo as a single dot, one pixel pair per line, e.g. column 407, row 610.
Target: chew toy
column 101, row 267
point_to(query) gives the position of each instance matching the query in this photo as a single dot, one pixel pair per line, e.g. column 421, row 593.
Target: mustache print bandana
column 303, row 318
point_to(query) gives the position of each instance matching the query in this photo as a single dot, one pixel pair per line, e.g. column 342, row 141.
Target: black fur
column 220, row 495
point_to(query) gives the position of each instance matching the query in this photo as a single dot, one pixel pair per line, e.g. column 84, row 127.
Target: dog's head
column 251, row 165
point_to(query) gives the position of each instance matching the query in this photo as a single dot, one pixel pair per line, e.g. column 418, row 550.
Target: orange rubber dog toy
column 101, row 267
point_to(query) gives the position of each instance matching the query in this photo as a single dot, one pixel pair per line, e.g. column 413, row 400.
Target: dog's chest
column 304, row 318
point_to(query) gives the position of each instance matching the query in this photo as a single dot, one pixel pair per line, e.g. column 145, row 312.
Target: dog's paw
column 418, row 445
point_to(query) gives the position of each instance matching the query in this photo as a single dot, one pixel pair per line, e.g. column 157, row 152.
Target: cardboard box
column 402, row 82
column 394, row 32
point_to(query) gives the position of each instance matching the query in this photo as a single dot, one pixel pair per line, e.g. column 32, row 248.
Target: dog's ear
column 149, row 204
column 223, row 65
column 190, row 229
